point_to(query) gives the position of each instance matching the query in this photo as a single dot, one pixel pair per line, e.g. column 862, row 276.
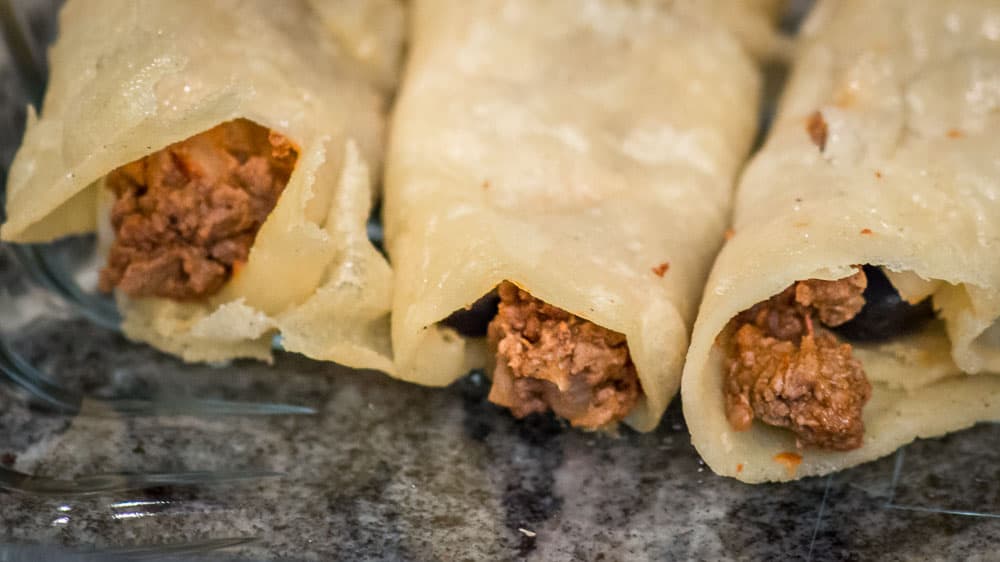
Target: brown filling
column 786, row 369
column 547, row 358
column 186, row 216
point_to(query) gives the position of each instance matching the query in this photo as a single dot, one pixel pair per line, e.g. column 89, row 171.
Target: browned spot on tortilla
column 739, row 468
column 878, row 174
column 955, row 134
column 661, row 269
column 817, row 129
column 800, row 224
column 790, row 460
column 866, row 231
column 486, row 184
column 729, row 234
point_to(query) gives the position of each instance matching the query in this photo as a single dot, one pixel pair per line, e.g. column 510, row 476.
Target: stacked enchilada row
column 559, row 178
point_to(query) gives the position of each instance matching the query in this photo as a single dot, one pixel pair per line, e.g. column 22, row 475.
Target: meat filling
column 549, row 359
column 186, row 216
column 787, row 370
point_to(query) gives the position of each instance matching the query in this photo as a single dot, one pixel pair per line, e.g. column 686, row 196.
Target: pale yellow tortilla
column 908, row 180
column 130, row 77
column 571, row 148
column 372, row 31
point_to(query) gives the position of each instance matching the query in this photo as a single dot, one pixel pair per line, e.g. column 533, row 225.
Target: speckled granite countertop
column 386, row 470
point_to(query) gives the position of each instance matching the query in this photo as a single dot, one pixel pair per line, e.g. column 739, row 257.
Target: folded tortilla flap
column 334, row 306
column 168, row 71
column 861, row 168
column 584, row 153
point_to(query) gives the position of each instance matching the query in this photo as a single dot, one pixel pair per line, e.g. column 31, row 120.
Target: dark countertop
column 387, row 470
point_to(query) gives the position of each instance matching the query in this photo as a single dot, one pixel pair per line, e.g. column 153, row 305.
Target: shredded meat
column 788, row 371
column 186, row 216
column 547, row 358
column 835, row 302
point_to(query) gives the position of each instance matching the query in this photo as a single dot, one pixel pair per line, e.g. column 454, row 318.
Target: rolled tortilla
column 130, row 78
column 883, row 153
column 584, row 152
column 372, row 32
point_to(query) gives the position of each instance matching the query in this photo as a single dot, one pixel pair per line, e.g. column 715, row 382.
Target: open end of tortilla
column 185, row 217
column 806, row 359
column 545, row 359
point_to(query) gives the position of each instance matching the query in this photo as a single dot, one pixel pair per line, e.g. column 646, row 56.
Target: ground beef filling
column 186, row 216
column 786, row 369
column 549, row 359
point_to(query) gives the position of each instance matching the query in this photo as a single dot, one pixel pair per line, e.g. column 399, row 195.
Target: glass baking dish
column 111, row 450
